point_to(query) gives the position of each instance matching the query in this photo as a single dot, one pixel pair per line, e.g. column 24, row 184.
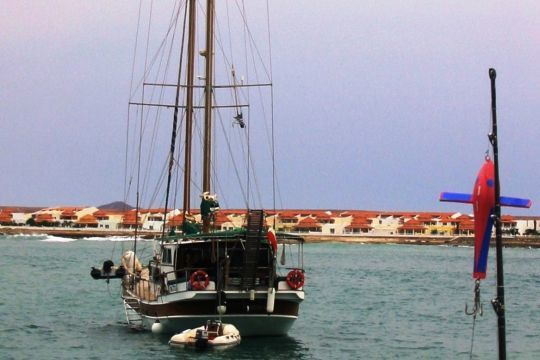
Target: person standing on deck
column 209, row 205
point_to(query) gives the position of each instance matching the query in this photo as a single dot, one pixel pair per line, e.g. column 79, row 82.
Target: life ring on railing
column 199, row 280
column 295, row 279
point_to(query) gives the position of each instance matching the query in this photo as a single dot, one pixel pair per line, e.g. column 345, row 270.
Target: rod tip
column 492, row 73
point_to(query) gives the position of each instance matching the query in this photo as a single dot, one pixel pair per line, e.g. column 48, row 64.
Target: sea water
column 362, row 302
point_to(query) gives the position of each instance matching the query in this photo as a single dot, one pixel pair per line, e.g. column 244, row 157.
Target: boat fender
column 270, row 300
column 271, row 236
column 295, row 279
column 157, row 327
column 222, row 303
column 199, row 280
column 221, row 309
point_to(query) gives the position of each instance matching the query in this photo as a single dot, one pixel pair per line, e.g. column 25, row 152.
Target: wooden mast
column 209, row 54
column 189, row 106
column 208, row 93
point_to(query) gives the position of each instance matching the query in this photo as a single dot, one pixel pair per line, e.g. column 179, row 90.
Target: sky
column 379, row 105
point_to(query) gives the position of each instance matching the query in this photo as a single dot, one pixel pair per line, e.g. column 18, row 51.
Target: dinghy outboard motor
column 201, row 339
column 108, row 271
column 107, row 266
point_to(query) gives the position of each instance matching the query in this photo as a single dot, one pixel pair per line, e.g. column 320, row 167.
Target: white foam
column 113, row 238
column 50, row 238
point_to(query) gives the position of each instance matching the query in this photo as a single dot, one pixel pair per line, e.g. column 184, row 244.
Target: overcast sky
column 379, row 104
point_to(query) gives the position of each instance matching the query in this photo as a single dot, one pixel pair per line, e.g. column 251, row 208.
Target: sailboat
column 199, row 273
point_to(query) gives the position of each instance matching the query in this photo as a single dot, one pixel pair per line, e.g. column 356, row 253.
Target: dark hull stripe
column 208, row 307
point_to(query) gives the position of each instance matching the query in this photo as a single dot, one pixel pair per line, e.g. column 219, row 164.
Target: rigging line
column 175, row 121
column 151, row 153
column 156, row 55
column 248, row 185
column 228, row 64
column 140, row 147
column 180, row 148
column 127, row 183
column 472, row 338
column 230, row 33
column 159, row 183
column 177, row 173
column 126, row 158
column 146, row 73
column 273, row 146
column 254, row 172
column 173, row 20
column 250, row 160
column 231, row 153
column 252, row 40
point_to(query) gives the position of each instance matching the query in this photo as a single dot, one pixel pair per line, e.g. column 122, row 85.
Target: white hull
column 248, row 325
column 254, row 322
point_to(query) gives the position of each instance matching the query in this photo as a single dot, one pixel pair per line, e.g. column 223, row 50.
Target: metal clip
column 478, row 308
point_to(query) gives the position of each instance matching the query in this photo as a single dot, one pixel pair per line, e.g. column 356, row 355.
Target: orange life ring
column 295, row 279
column 199, row 280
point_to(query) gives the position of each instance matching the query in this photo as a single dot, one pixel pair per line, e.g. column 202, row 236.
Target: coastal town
column 314, row 225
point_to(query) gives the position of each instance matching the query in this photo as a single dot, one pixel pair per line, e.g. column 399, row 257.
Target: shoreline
column 514, row 241
column 74, row 233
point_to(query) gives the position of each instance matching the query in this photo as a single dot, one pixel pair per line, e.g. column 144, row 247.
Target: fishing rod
column 487, row 201
column 498, row 302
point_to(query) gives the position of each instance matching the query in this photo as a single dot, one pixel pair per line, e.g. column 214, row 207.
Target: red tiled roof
column 88, row 219
column 152, row 211
column 508, row 219
column 287, row 216
column 323, row 217
column 308, row 223
column 466, row 225
column 176, row 220
column 360, row 220
column 129, row 218
column 220, row 219
column 44, row 218
column 412, row 224
column 424, row 217
column 101, row 215
column 359, row 223
column 6, row 216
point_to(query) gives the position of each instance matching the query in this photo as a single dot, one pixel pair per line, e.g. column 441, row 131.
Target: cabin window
column 167, row 256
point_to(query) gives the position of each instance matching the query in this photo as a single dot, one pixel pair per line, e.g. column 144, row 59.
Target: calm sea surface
column 362, row 302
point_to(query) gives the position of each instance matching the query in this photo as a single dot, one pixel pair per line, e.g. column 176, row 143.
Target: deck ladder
column 134, row 319
column 253, row 244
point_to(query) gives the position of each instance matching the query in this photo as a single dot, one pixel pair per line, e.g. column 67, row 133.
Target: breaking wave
column 50, row 238
column 113, row 238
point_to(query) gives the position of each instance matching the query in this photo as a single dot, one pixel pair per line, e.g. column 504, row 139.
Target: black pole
column 498, row 302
